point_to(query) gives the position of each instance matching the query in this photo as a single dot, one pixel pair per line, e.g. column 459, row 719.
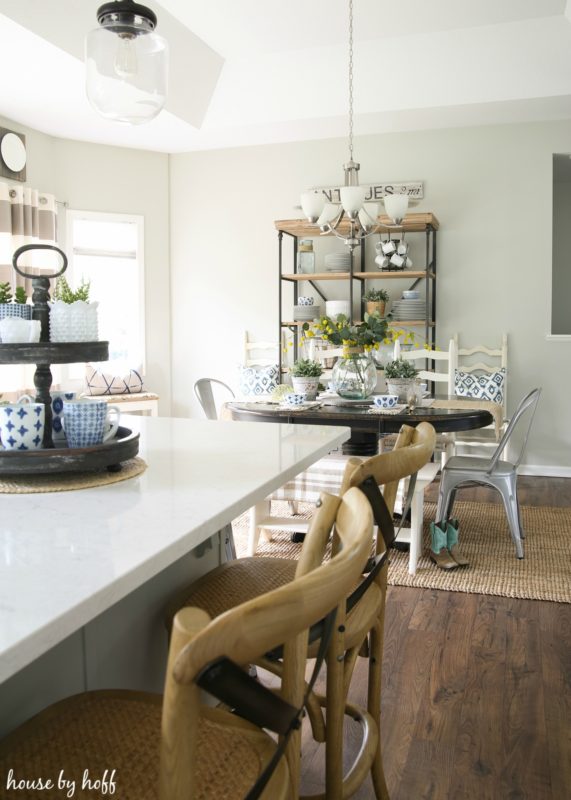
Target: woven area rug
column 544, row 573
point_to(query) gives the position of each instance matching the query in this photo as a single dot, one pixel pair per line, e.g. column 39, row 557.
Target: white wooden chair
column 443, row 379
column 448, row 357
column 252, row 350
column 495, row 359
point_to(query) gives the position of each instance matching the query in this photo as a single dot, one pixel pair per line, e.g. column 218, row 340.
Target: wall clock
column 13, row 155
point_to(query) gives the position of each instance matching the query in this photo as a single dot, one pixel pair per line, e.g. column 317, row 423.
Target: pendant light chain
column 351, row 80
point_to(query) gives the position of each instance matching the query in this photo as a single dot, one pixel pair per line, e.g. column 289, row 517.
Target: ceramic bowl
column 305, row 301
column 410, row 295
column 294, row 399
column 386, row 400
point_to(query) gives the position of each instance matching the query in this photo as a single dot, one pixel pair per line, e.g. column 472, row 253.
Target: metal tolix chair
column 501, row 475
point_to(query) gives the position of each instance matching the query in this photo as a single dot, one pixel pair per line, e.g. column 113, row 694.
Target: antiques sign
column 377, row 191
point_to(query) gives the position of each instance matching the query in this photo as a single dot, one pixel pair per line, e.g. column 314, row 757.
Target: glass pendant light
column 126, row 63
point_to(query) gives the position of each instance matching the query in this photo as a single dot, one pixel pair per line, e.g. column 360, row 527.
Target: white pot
column 399, row 386
column 306, row 386
column 73, row 322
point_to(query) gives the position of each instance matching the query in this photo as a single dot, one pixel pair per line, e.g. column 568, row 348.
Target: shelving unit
column 425, row 223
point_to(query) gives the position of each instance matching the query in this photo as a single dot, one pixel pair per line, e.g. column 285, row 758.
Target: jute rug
column 544, row 573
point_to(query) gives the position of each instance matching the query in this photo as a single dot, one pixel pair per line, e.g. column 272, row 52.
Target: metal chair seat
column 471, row 464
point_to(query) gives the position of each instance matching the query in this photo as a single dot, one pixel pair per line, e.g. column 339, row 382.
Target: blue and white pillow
column 489, row 386
column 258, row 381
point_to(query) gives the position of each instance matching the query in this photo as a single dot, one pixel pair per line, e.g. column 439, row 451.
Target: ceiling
column 255, row 72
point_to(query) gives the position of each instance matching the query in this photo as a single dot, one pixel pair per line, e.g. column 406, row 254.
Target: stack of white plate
column 338, row 262
column 335, row 307
column 306, row 313
column 409, row 309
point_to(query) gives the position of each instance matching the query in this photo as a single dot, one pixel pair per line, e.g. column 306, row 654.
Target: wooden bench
column 145, row 402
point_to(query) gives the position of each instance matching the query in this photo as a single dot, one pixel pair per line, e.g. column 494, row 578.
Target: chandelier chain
column 351, row 80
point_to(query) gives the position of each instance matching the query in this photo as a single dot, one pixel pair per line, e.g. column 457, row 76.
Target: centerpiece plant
column 305, row 375
column 354, row 374
column 400, row 374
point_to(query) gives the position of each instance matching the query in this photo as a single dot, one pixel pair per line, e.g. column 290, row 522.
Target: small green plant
column 376, row 296
column 306, row 368
column 65, row 293
column 5, row 293
column 20, row 295
column 400, row 369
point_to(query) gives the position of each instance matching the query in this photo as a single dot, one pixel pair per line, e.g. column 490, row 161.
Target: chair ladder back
column 260, row 361
column 449, row 356
column 500, row 353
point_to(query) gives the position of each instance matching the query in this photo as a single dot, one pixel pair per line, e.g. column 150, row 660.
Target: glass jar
column 305, row 256
column 354, row 376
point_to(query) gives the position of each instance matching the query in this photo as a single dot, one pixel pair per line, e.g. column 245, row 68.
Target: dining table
column 367, row 423
column 85, row 574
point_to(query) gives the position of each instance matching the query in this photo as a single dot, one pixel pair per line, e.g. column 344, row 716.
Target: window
column 107, row 251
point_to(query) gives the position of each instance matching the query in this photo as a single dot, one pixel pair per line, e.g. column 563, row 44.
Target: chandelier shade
column 126, row 63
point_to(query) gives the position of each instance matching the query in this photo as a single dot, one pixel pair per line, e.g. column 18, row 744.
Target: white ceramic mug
column 13, row 330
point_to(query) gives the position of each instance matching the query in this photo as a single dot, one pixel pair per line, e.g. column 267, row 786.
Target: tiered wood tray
column 49, row 459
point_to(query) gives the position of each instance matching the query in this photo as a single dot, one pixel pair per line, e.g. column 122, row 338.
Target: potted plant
column 376, row 301
column 305, row 375
column 400, row 375
column 14, row 306
column 72, row 317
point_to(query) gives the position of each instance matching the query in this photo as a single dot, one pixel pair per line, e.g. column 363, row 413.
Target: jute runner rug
column 544, row 573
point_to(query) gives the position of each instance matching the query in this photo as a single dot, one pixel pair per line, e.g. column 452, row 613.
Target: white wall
column 92, row 177
column 491, row 188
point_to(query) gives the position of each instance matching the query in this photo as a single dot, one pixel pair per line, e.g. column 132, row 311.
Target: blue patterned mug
column 86, row 422
column 294, row 399
column 58, row 398
column 22, row 424
column 385, row 400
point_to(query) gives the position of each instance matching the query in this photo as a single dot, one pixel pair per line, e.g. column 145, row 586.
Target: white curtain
column 27, row 216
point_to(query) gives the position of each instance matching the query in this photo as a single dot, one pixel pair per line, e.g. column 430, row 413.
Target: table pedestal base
column 362, row 443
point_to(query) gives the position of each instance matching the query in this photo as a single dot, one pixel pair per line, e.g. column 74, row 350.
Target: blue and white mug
column 385, row 400
column 86, row 422
column 294, row 399
column 22, row 424
column 58, row 398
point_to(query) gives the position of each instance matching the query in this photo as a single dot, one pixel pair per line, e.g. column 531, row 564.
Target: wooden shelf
column 408, row 323
column 393, row 275
column 318, row 276
column 412, row 223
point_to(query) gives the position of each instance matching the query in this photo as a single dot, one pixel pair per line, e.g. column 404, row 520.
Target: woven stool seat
column 238, row 581
column 119, row 731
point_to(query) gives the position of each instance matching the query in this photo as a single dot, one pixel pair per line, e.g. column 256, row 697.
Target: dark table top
column 359, row 419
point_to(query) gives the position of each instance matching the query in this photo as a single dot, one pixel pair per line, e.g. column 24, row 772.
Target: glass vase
column 354, row 376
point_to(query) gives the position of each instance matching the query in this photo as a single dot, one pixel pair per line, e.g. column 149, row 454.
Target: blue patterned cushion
column 257, row 381
column 489, row 386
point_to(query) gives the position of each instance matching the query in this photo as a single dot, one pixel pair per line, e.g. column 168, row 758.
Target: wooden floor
column 476, row 697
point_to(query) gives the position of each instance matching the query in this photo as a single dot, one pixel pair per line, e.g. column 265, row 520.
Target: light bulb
column 125, row 64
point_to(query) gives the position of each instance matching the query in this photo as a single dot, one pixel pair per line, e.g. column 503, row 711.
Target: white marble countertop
column 67, row 556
